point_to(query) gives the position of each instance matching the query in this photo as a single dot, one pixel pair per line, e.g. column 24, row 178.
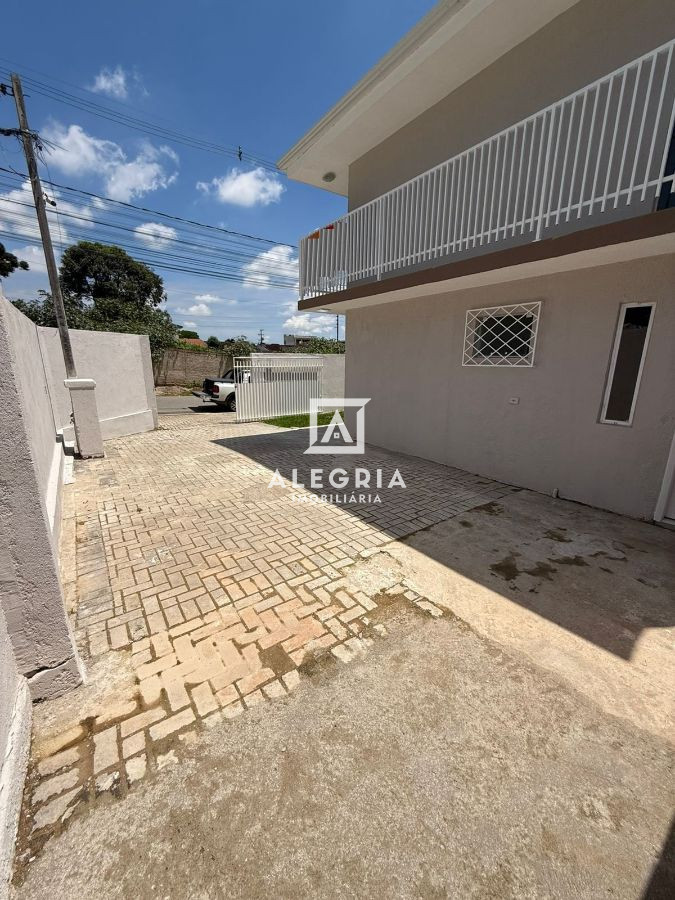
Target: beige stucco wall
column 33, row 396
column 10, row 680
column 15, row 718
column 30, row 591
column 407, row 357
column 35, row 407
column 37, row 651
column 121, row 366
column 589, row 40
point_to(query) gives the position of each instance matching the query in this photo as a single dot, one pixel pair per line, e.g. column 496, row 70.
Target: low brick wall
column 190, row 367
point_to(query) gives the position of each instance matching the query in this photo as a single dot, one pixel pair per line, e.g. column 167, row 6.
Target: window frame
column 470, row 357
column 618, row 330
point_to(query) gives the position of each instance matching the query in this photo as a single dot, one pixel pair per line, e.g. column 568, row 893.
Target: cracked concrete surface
column 586, row 595
column 503, row 727
column 435, row 765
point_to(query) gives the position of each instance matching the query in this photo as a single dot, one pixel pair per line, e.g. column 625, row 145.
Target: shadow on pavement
column 599, row 575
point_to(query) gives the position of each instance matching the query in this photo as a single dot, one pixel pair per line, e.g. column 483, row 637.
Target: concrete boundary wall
column 15, row 749
column 31, row 474
column 332, row 376
column 38, row 657
column 121, row 366
column 191, row 367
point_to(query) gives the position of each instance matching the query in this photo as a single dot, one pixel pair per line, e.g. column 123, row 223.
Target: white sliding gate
column 278, row 386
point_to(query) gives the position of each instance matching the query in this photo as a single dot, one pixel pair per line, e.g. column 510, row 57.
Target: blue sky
column 255, row 73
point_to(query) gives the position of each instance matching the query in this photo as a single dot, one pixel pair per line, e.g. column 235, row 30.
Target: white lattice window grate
column 501, row 335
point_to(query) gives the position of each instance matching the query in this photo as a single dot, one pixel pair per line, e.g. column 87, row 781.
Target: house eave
column 649, row 235
column 452, row 43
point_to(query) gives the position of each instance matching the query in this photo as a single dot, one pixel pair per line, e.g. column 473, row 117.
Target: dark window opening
column 624, row 378
column 504, row 336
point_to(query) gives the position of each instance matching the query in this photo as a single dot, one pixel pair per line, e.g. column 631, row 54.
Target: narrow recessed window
column 628, row 356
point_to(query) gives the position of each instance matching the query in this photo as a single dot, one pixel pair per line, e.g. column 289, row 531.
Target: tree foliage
column 214, row 343
column 320, row 345
column 184, row 333
column 105, row 289
column 41, row 310
column 10, row 263
column 193, row 348
column 110, row 278
column 239, row 346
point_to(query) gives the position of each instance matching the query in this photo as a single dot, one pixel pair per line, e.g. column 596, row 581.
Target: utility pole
column 337, row 328
column 27, row 138
column 262, row 335
column 86, row 422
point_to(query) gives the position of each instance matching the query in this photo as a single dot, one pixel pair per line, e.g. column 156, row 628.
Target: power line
column 145, row 126
column 153, row 212
column 170, row 262
column 176, row 248
column 183, row 250
column 168, row 252
column 218, row 251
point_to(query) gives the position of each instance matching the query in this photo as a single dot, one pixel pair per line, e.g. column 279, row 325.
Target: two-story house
column 507, row 264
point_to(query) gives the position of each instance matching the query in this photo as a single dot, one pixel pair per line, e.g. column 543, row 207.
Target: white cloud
column 78, row 153
column 17, row 215
column 278, row 262
column 33, row 256
column 308, row 324
column 155, row 235
column 253, row 188
column 212, row 298
column 143, row 174
column 112, row 82
column 192, row 325
column 197, row 309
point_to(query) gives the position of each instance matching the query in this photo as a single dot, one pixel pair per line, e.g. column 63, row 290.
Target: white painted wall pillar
column 85, row 417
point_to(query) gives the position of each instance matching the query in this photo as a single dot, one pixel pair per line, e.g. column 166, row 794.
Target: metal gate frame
column 277, row 386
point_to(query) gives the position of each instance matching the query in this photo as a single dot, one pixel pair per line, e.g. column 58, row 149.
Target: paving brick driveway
column 222, row 588
column 180, row 523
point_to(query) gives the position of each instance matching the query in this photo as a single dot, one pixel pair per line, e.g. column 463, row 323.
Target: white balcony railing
column 601, row 151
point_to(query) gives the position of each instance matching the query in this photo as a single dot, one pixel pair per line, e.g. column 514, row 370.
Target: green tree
column 239, row 346
column 10, row 263
column 34, row 309
column 214, row 342
column 105, row 289
column 184, row 333
column 110, row 278
column 320, row 345
column 41, row 310
column 193, row 348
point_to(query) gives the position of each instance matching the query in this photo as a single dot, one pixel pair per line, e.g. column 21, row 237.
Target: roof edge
column 409, row 44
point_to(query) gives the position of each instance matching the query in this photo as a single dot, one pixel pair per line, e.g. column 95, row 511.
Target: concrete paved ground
column 587, row 595
column 461, row 691
column 188, row 404
column 435, row 765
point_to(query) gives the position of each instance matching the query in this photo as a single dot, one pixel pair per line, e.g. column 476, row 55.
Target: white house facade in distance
column 507, row 264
